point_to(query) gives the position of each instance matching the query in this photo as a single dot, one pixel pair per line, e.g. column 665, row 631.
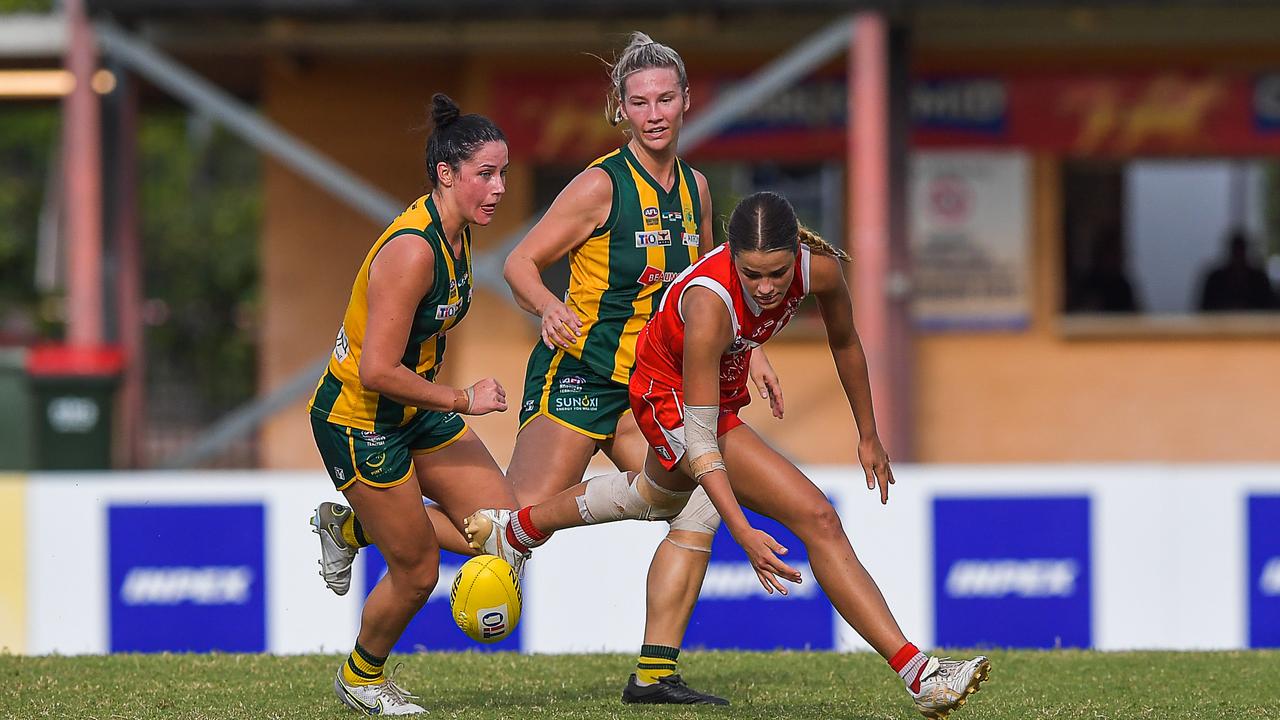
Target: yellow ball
column 485, row 599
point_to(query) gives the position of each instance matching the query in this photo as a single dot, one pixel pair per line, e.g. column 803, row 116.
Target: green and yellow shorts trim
column 567, row 391
column 383, row 459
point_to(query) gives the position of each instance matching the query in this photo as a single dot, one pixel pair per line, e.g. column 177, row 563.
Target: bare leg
column 768, row 483
column 461, row 479
column 548, row 458
column 396, row 518
column 679, row 563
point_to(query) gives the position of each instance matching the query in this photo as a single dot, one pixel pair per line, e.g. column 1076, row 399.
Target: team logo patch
column 672, row 216
column 651, row 275
column 651, row 212
column 690, row 239
column 341, row 346
column 656, row 238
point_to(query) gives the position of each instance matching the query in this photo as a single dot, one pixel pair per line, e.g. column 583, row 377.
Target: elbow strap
column 700, row 423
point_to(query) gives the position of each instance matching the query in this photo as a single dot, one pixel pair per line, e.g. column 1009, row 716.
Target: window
column 1171, row 237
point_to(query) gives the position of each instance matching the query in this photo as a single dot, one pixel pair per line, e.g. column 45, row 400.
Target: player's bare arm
column 581, row 208
column 708, row 334
column 828, row 285
column 399, row 278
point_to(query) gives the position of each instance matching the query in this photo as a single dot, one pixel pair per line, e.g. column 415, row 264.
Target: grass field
column 470, row 686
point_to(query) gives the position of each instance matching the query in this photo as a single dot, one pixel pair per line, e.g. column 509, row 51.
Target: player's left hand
column 766, row 381
column 875, row 463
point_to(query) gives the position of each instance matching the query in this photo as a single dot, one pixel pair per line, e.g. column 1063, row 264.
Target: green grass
column 469, row 686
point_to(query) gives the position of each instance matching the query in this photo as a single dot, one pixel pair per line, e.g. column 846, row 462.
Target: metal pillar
column 81, row 153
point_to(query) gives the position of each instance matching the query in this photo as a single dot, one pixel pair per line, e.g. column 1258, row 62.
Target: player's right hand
column 763, row 551
column 561, row 327
column 486, row 397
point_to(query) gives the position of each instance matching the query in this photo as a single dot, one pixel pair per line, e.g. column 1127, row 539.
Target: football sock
column 521, row 534
column 909, row 663
column 353, row 532
column 363, row 667
column 656, row 662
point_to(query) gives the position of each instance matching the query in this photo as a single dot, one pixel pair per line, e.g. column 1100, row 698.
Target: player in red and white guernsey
column 660, row 350
column 686, row 390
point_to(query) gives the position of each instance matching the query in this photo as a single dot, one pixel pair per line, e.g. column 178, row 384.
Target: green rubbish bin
column 15, row 424
column 73, row 394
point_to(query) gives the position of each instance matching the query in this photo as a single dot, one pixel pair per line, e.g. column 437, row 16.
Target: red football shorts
column 659, row 411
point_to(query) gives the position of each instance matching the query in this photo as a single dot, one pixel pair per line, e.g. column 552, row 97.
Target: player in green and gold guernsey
column 390, row 434
column 629, row 223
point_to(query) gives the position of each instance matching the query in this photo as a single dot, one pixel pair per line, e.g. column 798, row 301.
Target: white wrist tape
column 700, row 422
column 471, row 400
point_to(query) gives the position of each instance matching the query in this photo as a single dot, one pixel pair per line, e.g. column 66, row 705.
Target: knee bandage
column 698, row 515
column 615, row 497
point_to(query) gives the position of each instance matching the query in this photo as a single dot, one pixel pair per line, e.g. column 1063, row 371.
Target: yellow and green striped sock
column 656, row 662
column 353, row 532
column 363, row 667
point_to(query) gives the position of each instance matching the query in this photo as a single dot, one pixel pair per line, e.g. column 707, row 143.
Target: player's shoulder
column 826, row 272
column 591, row 186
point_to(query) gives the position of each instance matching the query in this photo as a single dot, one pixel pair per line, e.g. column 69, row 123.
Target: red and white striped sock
column 521, row 533
column 909, row 664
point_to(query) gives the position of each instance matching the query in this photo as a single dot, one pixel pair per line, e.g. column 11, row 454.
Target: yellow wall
column 13, row 558
column 1031, row 396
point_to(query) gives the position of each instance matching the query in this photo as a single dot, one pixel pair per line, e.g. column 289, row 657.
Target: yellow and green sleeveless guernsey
column 617, row 276
column 339, row 397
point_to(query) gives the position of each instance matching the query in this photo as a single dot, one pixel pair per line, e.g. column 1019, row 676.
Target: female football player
column 686, row 391
column 379, row 417
column 629, row 223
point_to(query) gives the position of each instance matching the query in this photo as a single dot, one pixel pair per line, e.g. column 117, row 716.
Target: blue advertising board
column 1012, row 572
column 734, row 611
column 187, row 578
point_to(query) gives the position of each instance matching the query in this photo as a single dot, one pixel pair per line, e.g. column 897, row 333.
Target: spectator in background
column 1105, row 288
column 1237, row 284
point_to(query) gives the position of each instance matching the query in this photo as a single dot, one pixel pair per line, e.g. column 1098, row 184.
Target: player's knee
column 692, row 540
column 418, row 580
column 620, row 496
column 824, row 522
column 699, row 517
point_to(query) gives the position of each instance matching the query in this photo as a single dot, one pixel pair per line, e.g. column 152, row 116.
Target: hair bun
column 444, row 111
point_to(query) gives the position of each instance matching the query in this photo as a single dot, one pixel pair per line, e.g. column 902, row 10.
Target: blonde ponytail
column 817, row 244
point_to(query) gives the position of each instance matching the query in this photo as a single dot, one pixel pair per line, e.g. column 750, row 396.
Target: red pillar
column 129, row 280
column 81, row 152
column 879, row 306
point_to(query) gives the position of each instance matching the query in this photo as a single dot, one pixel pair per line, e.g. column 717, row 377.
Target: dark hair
column 766, row 222
column 456, row 137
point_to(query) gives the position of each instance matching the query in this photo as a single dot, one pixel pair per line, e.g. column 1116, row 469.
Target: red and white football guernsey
column 657, row 383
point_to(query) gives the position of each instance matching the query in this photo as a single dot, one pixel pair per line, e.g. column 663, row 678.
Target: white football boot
column 336, row 555
column 384, row 698
column 945, row 684
column 487, row 534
